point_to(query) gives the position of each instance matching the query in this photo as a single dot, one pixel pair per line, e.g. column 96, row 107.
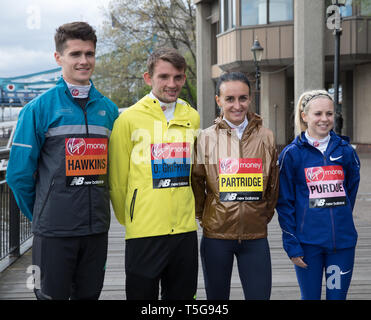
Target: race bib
column 171, row 164
column 86, row 161
column 240, row 179
column 325, row 186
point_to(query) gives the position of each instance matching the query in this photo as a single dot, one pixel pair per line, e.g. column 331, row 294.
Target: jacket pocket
column 47, row 197
column 132, row 204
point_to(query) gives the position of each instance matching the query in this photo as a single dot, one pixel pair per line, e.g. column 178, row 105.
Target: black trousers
column 70, row 267
column 169, row 261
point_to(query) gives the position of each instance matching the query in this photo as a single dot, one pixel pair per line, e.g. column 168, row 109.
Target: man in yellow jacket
column 150, row 163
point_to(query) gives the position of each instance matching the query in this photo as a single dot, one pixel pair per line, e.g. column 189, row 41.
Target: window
column 347, row 10
column 365, row 8
column 227, row 14
column 280, row 10
column 254, row 12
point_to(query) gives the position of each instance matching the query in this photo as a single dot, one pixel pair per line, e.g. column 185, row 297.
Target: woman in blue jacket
column 319, row 178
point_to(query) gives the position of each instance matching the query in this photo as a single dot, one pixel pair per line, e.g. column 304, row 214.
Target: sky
column 27, row 30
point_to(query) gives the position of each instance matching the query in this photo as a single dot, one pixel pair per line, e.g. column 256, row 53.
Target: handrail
column 15, row 228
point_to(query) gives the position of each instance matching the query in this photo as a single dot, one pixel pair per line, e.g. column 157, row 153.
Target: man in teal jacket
column 58, row 172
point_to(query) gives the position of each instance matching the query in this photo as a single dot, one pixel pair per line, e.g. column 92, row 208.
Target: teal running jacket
column 58, row 165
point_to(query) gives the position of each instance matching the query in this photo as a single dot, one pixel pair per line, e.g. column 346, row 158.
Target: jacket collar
column 254, row 119
column 93, row 93
column 335, row 141
column 180, row 112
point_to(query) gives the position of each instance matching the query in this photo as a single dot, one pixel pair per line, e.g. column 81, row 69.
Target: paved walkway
column 13, row 281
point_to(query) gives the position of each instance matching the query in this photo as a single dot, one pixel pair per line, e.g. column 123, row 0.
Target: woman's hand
column 299, row 262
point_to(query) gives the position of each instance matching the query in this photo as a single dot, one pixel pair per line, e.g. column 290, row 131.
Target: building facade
column 298, row 55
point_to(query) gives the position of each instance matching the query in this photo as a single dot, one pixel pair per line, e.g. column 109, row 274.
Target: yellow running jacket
column 149, row 169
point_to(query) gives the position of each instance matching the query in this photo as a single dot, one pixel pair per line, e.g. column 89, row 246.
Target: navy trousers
column 337, row 266
column 254, row 267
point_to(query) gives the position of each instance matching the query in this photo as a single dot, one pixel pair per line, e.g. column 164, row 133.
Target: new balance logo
column 163, row 183
column 230, row 197
column 319, row 202
column 77, row 181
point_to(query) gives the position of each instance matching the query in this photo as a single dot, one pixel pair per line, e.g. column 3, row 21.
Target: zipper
column 47, row 197
column 132, row 204
column 331, row 211
column 241, row 155
column 240, row 204
column 302, row 222
column 89, row 189
column 305, row 211
column 86, row 120
column 333, row 228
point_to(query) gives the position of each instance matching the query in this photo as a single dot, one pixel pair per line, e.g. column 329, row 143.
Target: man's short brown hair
column 72, row 31
column 167, row 54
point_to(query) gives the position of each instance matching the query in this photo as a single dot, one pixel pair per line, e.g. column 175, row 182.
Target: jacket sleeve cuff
column 297, row 252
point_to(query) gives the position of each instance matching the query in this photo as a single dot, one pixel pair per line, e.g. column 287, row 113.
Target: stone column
column 361, row 103
column 205, row 84
column 274, row 104
column 309, row 33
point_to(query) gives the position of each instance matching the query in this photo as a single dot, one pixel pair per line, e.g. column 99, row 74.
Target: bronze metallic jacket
column 220, row 159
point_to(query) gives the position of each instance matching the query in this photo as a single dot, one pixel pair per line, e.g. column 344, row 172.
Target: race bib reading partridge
column 86, row 161
column 325, row 186
column 240, row 179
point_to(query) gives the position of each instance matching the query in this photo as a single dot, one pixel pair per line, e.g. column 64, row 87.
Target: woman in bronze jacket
column 235, row 183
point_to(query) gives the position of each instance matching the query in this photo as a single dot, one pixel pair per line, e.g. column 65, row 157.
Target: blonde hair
column 303, row 106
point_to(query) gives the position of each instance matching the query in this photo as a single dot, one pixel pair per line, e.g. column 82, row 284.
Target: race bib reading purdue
column 86, row 161
column 240, row 179
column 171, row 164
column 325, row 186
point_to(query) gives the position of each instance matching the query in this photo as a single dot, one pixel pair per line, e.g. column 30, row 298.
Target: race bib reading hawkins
column 86, row 161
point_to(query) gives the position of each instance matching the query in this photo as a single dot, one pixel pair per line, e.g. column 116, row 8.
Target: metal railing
column 15, row 228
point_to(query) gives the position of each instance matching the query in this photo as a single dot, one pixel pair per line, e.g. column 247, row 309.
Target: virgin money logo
column 229, row 166
column 75, row 92
column 160, row 151
column 76, row 146
column 315, row 174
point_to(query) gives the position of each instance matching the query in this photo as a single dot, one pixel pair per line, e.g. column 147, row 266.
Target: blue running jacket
column 317, row 195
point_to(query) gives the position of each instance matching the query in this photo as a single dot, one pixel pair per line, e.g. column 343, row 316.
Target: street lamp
column 257, row 52
column 336, row 26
